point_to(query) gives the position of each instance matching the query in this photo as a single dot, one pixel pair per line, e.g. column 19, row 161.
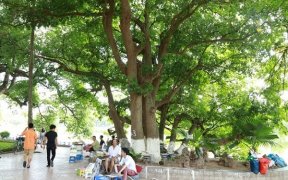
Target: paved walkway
column 11, row 167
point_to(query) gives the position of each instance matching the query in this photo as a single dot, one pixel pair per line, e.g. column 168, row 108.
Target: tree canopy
column 177, row 65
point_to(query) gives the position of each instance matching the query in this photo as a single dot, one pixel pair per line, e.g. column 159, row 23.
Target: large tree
column 158, row 46
column 146, row 37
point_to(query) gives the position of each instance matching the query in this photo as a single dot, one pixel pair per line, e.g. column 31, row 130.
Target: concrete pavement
column 11, row 167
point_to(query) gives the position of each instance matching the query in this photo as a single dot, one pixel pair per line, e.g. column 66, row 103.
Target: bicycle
column 19, row 144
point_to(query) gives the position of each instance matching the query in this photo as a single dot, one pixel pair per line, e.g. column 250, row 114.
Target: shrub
column 6, row 146
column 134, row 155
column 4, row 134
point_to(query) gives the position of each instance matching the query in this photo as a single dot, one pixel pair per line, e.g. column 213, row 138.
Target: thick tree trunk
column 186, row 140
column 129, row 69
column 117, row 124
column 173, row 135
column 163, row 117
column 152, row 139
column 137, row 135
column 30, row 85
column 144, row 116
column 132, row 74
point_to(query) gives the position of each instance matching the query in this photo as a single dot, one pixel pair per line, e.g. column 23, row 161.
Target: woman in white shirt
column 113, row 154
column 127, row 165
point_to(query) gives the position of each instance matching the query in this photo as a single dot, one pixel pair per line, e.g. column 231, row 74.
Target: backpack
column 278, row 160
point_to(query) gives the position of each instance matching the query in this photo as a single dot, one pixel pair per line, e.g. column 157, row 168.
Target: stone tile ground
column 11, row 169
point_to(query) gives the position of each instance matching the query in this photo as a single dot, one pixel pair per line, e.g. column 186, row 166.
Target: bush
column 6, row 146
column 134, row 155
column 4, row 134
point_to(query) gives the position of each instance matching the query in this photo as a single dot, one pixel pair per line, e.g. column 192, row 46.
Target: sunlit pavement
column 11, row 167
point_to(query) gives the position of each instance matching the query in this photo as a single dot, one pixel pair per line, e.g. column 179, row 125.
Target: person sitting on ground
column 95, row 145
column 127, row 165
column 114, row 152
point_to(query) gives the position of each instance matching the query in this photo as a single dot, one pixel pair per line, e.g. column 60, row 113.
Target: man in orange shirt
column 29, row 144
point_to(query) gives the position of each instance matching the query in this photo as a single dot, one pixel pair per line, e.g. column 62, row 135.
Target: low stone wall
column 169, row 173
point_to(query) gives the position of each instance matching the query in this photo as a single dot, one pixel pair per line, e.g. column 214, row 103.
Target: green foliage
column 4, row 134
column 45, row 120
column 134, row 155
column 20, row 90
column 134, row 87
column 6, row 146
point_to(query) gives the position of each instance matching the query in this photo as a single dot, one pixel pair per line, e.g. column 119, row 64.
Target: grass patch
column 6, row 146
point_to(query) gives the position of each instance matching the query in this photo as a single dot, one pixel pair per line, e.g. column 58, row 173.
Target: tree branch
column 178, row 85
column 107, row 24
column 72, row 111
column 175, row 23
column 166, row 37
column 17, row 100
column 212, row 41
column 19, row 73
column 130, row 46
column 5, row 82
column 71, row 70
column 75, row 13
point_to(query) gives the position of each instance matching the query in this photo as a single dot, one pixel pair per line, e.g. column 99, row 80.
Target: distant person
column 114, row 153
column 94, row 146
column 109, row 143
column 42, row 135
column 102, row 142
column 51, row 143
column 29, row 144
column 127, row 165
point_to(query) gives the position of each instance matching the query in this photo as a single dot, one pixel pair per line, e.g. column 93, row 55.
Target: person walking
column 51, row 143
column 29, row 144
column 42, row 135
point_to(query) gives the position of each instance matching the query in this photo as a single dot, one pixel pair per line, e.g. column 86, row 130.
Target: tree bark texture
column 163, row 118
column 186, row 140
column 113, row 113
column 153, row 142
column 30, row 74
column 143, row 106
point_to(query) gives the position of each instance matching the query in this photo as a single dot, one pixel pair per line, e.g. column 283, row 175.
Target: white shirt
column 113, row 152
column 129, row 162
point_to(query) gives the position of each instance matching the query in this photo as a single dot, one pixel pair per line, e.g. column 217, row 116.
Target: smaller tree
column 4, row 134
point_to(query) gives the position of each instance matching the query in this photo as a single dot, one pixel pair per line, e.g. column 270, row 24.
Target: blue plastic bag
column 278, row 160
column 254, row 166
column 101, row 177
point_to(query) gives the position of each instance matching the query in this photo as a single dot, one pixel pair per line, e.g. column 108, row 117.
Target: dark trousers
column 91, row 149
column 49, row 150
